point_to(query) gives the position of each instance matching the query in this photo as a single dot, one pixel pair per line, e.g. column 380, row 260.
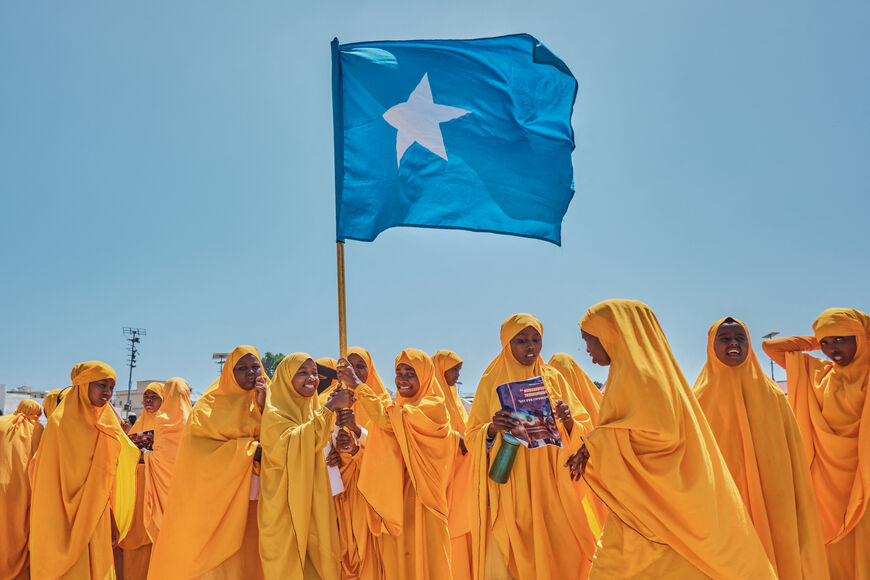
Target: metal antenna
column 135, row 335
column 768, row 336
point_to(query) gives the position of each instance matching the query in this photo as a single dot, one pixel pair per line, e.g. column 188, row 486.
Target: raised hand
column 260, row 392
column 340, row 399
column 346, row 375
column 563, row 413
column 502, row 421
column 345, row 443
column 347, row 419
column 576, row 464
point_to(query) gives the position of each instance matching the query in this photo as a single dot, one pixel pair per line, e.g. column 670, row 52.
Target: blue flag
column 462, row 134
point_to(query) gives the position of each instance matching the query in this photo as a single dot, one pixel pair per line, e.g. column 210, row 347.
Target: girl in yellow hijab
column 84, row 477
column 169, row 422
column 447, row 368
column 298, row 531
column 136, row 547
column 829, row 399
column 19, row 437
column 52, row 400
column 674, row 509
column 761, row 444
column 539, row 524
column 406, row 467
column 210, row 524
column 360, row 548
column 581, row 385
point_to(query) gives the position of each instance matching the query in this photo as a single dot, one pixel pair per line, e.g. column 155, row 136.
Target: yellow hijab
column 445, row 360
column 331, row 363
column 653, row 459
column 581, row 385
column 52, row 400
column 19, row 438
column 85, row 465
column 145, row 422
column 206, row 513
column 829, row 402
column 761, row 444
column 539, row 499
column 169, row 422
column 296, row 512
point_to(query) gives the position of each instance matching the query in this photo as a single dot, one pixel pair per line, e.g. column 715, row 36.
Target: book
column 529, row 401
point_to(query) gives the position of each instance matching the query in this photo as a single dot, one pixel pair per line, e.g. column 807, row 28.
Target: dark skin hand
column 347, row 419
column 501, row 421
column 345, row 443
column 334, row 458
column 260, row 392
column 576, row 464
column 346, row 374
column 340, row 399
column 462, row 446
column 258, row 454
column 563, row 413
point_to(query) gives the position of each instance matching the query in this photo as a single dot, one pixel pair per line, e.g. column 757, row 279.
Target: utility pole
column 135, row 335
column 219, row 358
column 768, row 336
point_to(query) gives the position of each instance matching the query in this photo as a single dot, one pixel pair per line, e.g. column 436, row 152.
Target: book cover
column 529, row 401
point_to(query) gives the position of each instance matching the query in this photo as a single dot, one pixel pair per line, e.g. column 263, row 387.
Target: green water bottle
column 501, row 467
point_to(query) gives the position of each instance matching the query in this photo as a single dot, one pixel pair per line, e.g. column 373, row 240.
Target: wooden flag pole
column 342, row 311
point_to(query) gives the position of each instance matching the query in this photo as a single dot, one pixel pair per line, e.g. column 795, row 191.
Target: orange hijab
column 145, row 422
column 168, row 424
column 206, row 513
column 85, row 465
column 19, row 437
column 761, row 444
column 653, row 459
column 582, row 386
column 829, row 402
column 445, row 360
column 544, row 523
column 52, row 400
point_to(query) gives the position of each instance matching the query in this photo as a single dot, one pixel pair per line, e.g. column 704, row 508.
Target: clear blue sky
column 170, row 166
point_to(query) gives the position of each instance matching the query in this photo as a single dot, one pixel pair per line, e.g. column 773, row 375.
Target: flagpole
column 342, row 311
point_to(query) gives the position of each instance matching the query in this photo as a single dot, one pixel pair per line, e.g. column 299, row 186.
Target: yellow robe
column 581, row 385
column 829, row 402
column 404, row 475
column 540, row 523
column 210, row 523
column 360, row 548
column 83, row 473
column 459, row 487
column 19, row 438
column 136, row 547
column 761, row 444
column 674, row 509
column 298, row 530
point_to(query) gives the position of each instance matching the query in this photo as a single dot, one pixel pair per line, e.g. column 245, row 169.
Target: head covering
column 145, row 422
column 760, row 442
column 329, row 363
column 296, row 512
column 445, row 360
column 52, row 400
column 169, row 422
column 206, row 513
column 85, row 464
column 829, row 402
column 539, row 483
column 653, row 459
column 581, row 385
column 20, row 433
column 373, row 380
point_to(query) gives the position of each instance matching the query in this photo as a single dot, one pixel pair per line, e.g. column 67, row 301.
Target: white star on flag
column 418, row 121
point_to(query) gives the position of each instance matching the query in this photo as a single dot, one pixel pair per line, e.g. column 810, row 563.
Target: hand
column 125, row 425
column 260, row 392
column 563, row 413
column 502, row 421
column 462, row 446
column 258, row 454
column 577, row 463
column 333, row 459
column 346, row 375
column 345, row 443
column 340, row 399
column 347, row 418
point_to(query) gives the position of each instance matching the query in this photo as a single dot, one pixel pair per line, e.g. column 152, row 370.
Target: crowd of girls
column 300, row 476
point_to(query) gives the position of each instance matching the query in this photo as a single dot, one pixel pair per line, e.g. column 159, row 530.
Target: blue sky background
column 170, row 166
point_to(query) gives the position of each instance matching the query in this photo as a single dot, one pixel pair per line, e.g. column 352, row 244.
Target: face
column 246, row 371
column 451, row 375
column 359, row 366
column 407, row 383
column 306, row 379
column 99, row 392
column 151, row 401
column 840, row 349
column 595, row 349
column 731, row 344
column 526, row 346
